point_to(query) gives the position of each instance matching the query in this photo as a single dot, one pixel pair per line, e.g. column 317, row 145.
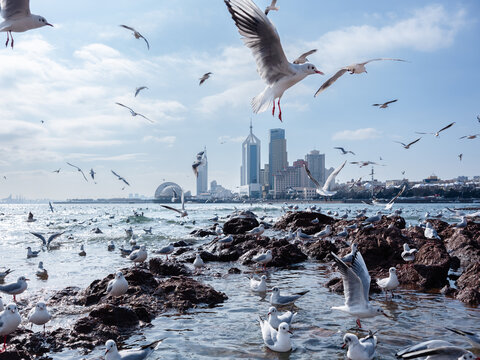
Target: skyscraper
column 277, row 156
column 250, row 169
column 316, row 165
column 202, row 178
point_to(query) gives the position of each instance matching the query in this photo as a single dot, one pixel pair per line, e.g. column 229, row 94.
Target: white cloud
column 167, row 140
column 231, row 139
column 359, row 134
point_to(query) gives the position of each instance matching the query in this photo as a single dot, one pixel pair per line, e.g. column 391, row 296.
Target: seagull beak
column 343, row 346
column 269, row 313
column 49, row 24
column 106, row 351
column 387, row 316
column 27, row 279
column 290, row 331
column 319, row 72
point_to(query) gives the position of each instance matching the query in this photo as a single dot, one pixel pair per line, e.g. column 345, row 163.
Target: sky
column 71, row 75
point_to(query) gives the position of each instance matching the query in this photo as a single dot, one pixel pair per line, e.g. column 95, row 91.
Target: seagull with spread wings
column 200, row 160
column 79, row 170
column 120, row 177
column 302, row 59
column 50, row 239
column 391, row 202
column 470, row 137
column 352, row 69
column 260, row 35
column 182, row 212
column 138, row 89
column 407, row 146
column 204, row 77
column 364, row 163
column 324, row 190
column 271, row 7
column 436, row 134
column 134, row 113
column 56, row 171
column 344, row 152
column 385, row 104
column 136, row 34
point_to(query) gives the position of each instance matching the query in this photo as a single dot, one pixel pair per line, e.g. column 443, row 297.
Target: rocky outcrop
column 303, row 220
column 468, row 285
column 170, row 267
column 240, row 225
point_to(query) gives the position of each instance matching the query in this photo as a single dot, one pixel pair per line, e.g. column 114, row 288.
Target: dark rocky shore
column 161, row 286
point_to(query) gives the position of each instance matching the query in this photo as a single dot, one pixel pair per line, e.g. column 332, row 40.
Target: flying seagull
column 138, row 89
column 260, row 35
column 385, row 104
column 391, row 202
column 470, row 137
column 182, row 212
column 438, row 132
column 204, row 77
column 200, row 160
column 407, row 146
column 302, row 59
column 271, row 7
column 51, row 206
column 353, row 69
column 137, row 34
column 133, row 113
column 120, row 177
column 344, row 152
column 56, row 171
column 44, row 241
column 78, row 169
column 460, row 156
column 363, row 163
column 323, row 190
column 18, row 18
column 92, row 174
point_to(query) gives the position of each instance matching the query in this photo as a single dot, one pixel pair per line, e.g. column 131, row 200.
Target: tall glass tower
column 277, row 156
column 202, row 178
column 316, row 165
column 250, row 169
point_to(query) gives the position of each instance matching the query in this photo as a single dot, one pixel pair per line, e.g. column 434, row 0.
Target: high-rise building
column 250, row 169
column 202, row 178
column 277, row 156
column 316, row 165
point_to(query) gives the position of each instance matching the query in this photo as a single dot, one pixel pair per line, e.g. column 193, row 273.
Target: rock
column 321, row 249
column 234, row 270
column 202, row 233
column 167, row 268
column 464, row 243
column 239, row 225
column 181, row 243
column 118, row 316
column 182, row 293
column 15, row 355
column 303, row 219
column 283, row 252
column 468, row 285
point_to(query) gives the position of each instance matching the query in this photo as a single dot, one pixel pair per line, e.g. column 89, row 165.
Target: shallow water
column 230, row 330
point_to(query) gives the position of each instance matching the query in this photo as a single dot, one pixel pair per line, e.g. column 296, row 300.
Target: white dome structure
column 166, row 190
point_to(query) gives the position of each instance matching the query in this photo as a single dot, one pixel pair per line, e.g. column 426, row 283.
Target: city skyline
column 60, row 86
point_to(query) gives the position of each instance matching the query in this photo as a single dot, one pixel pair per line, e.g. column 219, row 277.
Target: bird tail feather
column 262, row 101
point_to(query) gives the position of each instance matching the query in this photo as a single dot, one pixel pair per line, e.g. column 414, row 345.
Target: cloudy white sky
column 70, row 76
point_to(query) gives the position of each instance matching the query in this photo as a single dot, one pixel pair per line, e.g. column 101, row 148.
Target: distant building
column 202, row 178
column 250, row 169
column 277, row 153
column 289, row 179
column 432, row 179
column 316, row 165
column 167, row 191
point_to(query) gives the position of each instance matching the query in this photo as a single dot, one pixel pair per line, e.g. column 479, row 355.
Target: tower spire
column 251, row 128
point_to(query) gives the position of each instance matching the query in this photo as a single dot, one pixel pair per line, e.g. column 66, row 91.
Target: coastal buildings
column 202, row 178
column 250, row 183
column 277, row 154
column 316, row 165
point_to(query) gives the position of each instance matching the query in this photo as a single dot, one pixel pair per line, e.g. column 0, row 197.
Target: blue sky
column 71, row 75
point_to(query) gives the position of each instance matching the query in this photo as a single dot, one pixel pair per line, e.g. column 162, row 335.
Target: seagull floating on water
column 136, row 34
column 31, row 253
column 260, row 35
column 353, row 69
column 277, row 299
column 112, row 353
column 275, row 319
column 18, row 18
column 276, row 340
column 363, row 349
column 259, row 285
column 41, row 272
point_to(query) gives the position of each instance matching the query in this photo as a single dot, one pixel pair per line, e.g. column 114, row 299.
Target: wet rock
column 181, row 243
column 283, row 252
column 468, row 285
column 206, row 256
column 448, row 291
column 118, row 316
column 321, row 250
column 240, row 225
column 234, row 270
column 202, row 233
column 182, row 293
column 464, row 243
column 303, row 219
column 15, row 355
column 167, row 268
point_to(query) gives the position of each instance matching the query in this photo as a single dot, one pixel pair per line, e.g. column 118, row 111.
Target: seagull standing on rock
column 166, row 250
column 39, row 315
column 117, row 286
column 9, row 321
column 257, row 231
column 260, row 35
column 430, row 232
column 15, row 288
column 408, row 254
column 139, row 256
column 18, row 18
column 263, row 259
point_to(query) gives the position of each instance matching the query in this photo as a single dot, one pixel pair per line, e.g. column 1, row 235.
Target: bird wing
column 330, row 81
column 423, row 346
column 309, row 174
column 423, row 133
column 446, row 127
column 396, row 196
column 76, row 167
column 14, row 9
column 40, row 236
column 478, row 118
column 146, row 41
column 378, row 59
column 137, row 90
column 444, row 352
column 110, row 286
column 133, row 255
column 128, row 27
column 352, row 285
column 260, row 35
column 146, row 118
column 183, row 200
column 260, row 257
column 53, row 237
column 360, row 268
column 350, row 151
column 332, row 176
column 303, row 58
column 114, row 173
column 125, row 107
column 83, row 175
column 171, row 208
column 413, row 142
column 269, row 334
column 376, row 104
column 341, row 149
column 391, row 101
column 399, row 142
column 10, row 287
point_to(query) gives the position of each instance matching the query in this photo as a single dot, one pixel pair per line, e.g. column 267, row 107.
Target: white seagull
column 325, row 232
column 136, row 34
column 139, row 256
column 430, row 232
column 257, row 231
column 121, row 178
column 441, row 353
column 260, row 35
column 430, row 344
column 278, row 341
column 18, row 18
column 436, row 134
column 112, row 353
column 117, row 286
column 271, row 7
column 408, row 254
column 390, row 283
column 79, row 170
column 363, row 349
column 134, row 113
column 356, row 285
column 9, row 321
column 39, row 315
column 182, row 212
column 391, row 202
column 353, row 69
column 344, row 152
column 264, row 258
column 277, row 299
column 275, row 320
column 15, row 288
column 31, row 253
column 258, row 285
column 323, row 190
column 407, row 146
column 198, row 262
column 385, row 104
column 166, row 250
